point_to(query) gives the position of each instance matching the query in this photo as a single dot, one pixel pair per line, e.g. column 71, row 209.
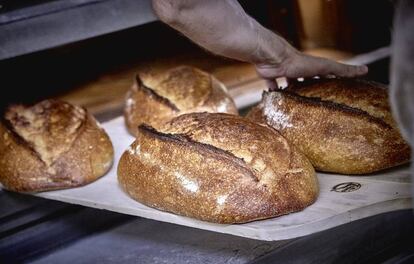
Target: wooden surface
column 382, row 192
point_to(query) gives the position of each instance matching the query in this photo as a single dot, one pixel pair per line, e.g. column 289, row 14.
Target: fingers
column 301, row 65
column 349, row 71
column 312, row 66
column 269, row 74
column 271, row 84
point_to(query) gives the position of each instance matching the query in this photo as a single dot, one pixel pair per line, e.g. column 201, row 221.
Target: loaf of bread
column 342, row 125
column 51, row 145
column 156, row 99
column 217, row 167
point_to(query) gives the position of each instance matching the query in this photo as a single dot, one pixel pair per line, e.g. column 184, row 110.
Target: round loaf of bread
column 341, row 125
column 156, row 99
column 51, row 145
column 219, row 168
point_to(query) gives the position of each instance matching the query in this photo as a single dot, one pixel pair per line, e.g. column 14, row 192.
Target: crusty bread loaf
column 156, row 99
column 219, row 168
column 341, row 125
column 51, row 145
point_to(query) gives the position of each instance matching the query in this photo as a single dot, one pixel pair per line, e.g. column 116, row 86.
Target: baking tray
column 342, row 199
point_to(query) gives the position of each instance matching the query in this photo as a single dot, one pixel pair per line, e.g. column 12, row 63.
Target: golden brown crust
column 157, row 99
column 82, row 158
column 217, row 167
column 49, row 127
column 364, row 95
column 342, row 126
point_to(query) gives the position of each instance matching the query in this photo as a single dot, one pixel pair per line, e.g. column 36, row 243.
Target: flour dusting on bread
column 223, row 106
column 135, row 150
column 342, row 125
column 129, row 103
column 188, row 184
column 219, row 168
column 274, row 115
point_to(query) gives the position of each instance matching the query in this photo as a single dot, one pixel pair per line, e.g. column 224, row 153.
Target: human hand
column 297, row 64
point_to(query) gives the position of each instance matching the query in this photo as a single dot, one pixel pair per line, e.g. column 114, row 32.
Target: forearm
column 222, row 27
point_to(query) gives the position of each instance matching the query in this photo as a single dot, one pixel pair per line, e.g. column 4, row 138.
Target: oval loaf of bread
column 341, row 125
column 156, row 99
column 219, row 168
column 51, row 145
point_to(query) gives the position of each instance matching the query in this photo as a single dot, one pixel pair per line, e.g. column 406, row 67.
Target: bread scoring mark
column 48, row 128
column 199, row 147
column 196, row 123
column 188, row 184
column 274, row 115
column 315, row 101
column 150, row 92
column 19, row 139
column 186, row 86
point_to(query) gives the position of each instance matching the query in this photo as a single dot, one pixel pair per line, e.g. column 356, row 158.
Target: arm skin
column 222, row 27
